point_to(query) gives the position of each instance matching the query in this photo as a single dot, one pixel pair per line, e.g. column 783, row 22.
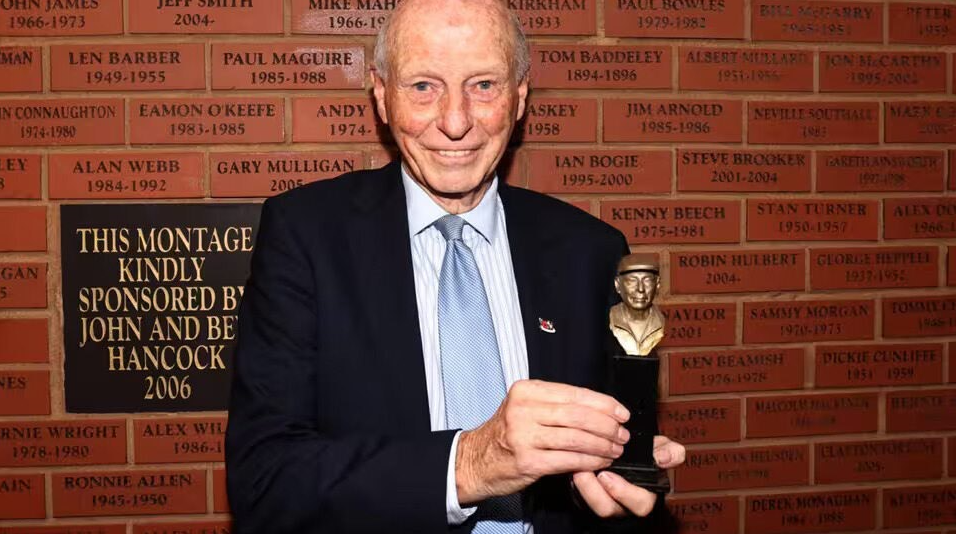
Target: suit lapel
column 382, row 258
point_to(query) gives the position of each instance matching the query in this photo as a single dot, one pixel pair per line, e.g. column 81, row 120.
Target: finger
column 582, row 418
column 668, row 453
column 638, row 500
column 574, row 440
column 548, row 462
column 595, row 496
column 566, row 394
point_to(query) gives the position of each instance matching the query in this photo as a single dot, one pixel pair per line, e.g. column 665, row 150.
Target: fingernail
column 616, row 450
column 606, row 477
column 622, row 413
column 623, row 435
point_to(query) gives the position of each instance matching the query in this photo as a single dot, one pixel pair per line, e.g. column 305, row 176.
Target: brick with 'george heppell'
column 652, row 120
column 61, row 19
column 336, row 120
column 101, row 493
column 62, row 121
column 674, row 221
column 742, row 171
column 878, row 365
column 807, row 415
column 192, row 439
column 21, row 69
column 263, row 174
column 701, row 421
column 802, row 321
column 922, row 23
column 558, row 120
column 815, row 21
column 721, row 371
column 919, row 316
column 30, row 224
column 811, row 123
column 791, row 513
column 24, row 340
column 882, row 72
column 20, row 176
column 885, row 459
column 173, row 16
column 921, row 410
column 64, row 442
column 750, row 467
column 23, row 285
column 22, row 496
column 24, row 392
column 560, row 66
column 699, row 325
column 880, row 170
column 920, row 121
column 821, row 220
column 127, row 67
column 270, row 66
column 735, row 271
column 874, row 267
column 706, row 515
column 745, row 69
column 126, row 175
column 184, row 527
column 599, row 171
column 718, row 19
column 71, row 528
column 206, row 120
column 220, row 498
column 919, row 506
column 915, row 218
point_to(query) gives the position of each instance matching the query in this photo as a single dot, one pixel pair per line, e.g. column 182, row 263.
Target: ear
column 617, row 285
column 522, row 98
column 378, row 89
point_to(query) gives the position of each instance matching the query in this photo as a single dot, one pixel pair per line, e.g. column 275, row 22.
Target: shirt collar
column 423, row 211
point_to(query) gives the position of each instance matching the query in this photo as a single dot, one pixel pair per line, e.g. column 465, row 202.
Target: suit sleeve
column 284, row 474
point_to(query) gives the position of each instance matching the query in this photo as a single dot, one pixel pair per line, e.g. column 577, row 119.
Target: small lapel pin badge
column 546, row 325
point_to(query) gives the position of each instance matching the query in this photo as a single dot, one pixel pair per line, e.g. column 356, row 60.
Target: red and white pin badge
column 546, row 325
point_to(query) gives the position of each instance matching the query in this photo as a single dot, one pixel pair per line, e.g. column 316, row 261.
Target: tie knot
column 450, row 227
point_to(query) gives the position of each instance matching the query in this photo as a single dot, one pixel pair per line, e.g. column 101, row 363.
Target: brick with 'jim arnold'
column 706, row 121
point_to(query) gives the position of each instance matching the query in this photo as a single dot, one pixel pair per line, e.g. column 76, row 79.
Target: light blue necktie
column 471, row 372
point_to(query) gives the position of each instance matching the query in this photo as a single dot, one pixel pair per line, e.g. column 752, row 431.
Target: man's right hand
column 541, row 428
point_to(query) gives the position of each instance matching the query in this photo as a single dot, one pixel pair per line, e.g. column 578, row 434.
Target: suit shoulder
column 570, row 220
column 326, row 197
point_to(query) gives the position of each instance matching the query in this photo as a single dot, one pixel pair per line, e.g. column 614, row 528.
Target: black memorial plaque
column 150, row 302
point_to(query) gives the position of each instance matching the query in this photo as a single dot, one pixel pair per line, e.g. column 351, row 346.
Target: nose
column 455, row 120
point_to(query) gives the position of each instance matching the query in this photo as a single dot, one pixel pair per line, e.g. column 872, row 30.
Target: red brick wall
column 788, row 159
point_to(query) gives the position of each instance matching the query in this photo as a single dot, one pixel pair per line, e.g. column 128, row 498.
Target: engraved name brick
column 883, row 267
column 264, row 174
column 127, row 67
column 914, row 218
column 23, row 285
column 752, row 467
column 834, row 511
column 336, row 120
column 82, row 442
column 126, row 175
column 745, row 69
column 883, row 170
column 24, row 393
column 600, row 67
column 720, row 19
column 61, row 122
column 706, row 515
column 708, row 121
column 737, row 271
column 878, row 365
column 700, row 421
column 287, row 66
column 600, row 171
column 922, row 23
column 813, row 122
column 129, row 493
column 860, row 22
column 20, row 176
column 742, row 170
column 205, row 16
column 179, row 440
column 57, row 18
column 883, row 72
column 698, row 325
column 674, row 221
column 920, row 121
column 918, row 317
column 351, row 17
column 720, row 371
column 206, row 120
column 864, row 461
column 807, row 415
column 556, row 17
column 919, row 506
column 21, row 68
column 21, row 496
column 801, row 321
column 915, row 411
column 824, row 220
column 558, row 120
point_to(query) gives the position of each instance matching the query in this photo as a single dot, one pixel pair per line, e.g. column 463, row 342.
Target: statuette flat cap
column 639, row 262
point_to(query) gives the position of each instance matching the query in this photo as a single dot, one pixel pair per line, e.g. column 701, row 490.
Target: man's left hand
column 609, row 495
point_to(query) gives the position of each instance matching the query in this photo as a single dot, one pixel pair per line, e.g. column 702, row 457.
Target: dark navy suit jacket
column 328, row 425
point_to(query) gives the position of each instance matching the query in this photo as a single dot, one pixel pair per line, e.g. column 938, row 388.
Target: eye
column 420, row 86
column 485, row 85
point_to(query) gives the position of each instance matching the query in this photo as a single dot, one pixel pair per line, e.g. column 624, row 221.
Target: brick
column 919, row 316
column 559, row 66
column 920, row 122
column 62, row 121
column 364, row 18
column 952, row 379
column 865, row 461
column 808, row 415
column 126, row 175
column 261, row 16
column 705, row 515
column 922, row 23
column 558, row 18
column 696, row 325
column 23, row 340
column 381, row 158
column 600, row 171
column 822, row 220
column 813, row 122
column 653, row 120
column 206, row 120
column 832, row 511
column 67, row 442
column 718, row 19
column 745, row 69
column 108, row 493
column 880, row 170
column 336, row 120
column 24, row 393
column 97, row 528
column 220, row 498
column 675, row 221
column 178, row 440
column 915, row 218
column 742, row 171
column 738, row 468
column 878, row 365
column 21, row 69
column 723, row 371
column 263, row 174
column 708, row 421
column 952, row 160
column 866, row 268
column 952, row 453
column 20, row 176
column 103, row 17
column 814, row 21
column 951, row 267
column 882, row 72
column 737, row 271
column 127, row 67
column 30, row 222
column 558, row 120
column 919, row 506
column 21, row 496
column 23, row 285
column 802, row 321
column 921, row 410
column 182, row 527
column 287, row 66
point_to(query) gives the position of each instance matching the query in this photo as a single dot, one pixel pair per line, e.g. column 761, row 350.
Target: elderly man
column 393, row 319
